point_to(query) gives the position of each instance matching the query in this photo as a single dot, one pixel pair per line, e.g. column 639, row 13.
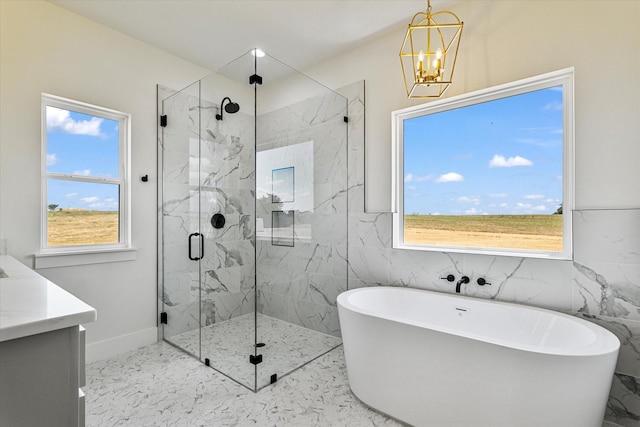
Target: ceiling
column 212, row 33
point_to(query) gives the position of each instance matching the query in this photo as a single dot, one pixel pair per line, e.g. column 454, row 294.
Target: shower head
column 230, row 108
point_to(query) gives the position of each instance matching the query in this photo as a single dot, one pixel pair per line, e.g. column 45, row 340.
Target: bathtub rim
column 605, row 341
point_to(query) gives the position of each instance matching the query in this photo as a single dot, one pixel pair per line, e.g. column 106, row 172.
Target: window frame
column 564, row 78
column 46, row 256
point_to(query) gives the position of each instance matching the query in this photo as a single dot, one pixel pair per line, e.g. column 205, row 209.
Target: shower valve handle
column 449, row 278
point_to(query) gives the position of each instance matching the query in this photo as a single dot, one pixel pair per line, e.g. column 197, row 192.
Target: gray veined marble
column 159, row 386
column 162, row 386
column 608, row 289
column 228, row 345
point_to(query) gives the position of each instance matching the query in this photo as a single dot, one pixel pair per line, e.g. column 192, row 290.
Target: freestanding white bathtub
column 432, row 359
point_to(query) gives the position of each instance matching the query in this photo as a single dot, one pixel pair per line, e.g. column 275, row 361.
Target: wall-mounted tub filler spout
column 463, row 280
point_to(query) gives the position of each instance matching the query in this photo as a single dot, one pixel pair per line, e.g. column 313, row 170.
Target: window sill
column 561, row 256
column 67, row 259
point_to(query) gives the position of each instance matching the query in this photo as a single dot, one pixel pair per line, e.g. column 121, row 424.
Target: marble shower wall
column 601, row 284
column 300, row 284
column 208, row 167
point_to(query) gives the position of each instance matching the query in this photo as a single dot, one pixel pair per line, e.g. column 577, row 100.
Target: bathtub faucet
column 463, row 280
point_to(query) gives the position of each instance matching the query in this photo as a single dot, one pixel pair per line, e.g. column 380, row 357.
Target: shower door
column 207, row 249
column 181, row 243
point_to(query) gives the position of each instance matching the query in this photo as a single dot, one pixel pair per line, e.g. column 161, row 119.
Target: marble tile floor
column 228, row 345
column 159, row 385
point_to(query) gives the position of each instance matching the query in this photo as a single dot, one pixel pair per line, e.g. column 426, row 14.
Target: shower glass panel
column 254, row 177
column 179, row 219
column 301, row 217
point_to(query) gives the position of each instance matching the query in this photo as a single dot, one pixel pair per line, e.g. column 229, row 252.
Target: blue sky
column 84, row 145
column 499, row 157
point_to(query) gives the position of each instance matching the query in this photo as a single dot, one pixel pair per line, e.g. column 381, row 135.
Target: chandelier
column 429, row 52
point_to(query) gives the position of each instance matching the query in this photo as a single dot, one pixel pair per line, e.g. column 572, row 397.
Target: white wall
column 504, row 41
column 44, row 48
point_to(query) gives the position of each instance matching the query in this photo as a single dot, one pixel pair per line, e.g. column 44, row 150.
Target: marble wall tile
column 369, row 264
column 623, row 407
column 329, row 229
column 288, row 282
column 607, row 235
column 370, row 230
column 297, row 281
column 318, row 317
column 423, row 269
column 530, row 281
column 324, row 289
column 227, row 280
column 607, row 289
column 628, row 332
column 221, row 307
column 177, row 288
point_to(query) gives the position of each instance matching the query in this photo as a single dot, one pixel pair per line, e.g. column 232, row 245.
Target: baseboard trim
column 105, row 349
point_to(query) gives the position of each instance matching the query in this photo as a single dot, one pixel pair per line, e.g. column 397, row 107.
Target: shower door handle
column 201, row 247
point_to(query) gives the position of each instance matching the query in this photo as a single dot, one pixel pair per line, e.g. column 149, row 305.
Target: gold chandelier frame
column 429, row 52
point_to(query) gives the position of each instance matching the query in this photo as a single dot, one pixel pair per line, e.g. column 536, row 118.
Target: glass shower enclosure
column 252, row 195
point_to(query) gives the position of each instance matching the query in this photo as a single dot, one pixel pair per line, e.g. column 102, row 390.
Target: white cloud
column 450, row 177
column 70, row 195
column 498, row 195
column 500, row 161
column 91, row 199
column 469, row 199
column 52, row 159
column 417, row 178
column 85, row 172
column 58, row 119
column 472, row 211
column 533, row 196
column 529, row 207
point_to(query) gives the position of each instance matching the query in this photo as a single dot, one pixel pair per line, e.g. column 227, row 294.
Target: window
column 85, row 194
column 488, row 172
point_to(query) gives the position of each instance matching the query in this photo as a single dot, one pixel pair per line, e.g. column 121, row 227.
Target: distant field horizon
column 70, row 226
column 529, row 232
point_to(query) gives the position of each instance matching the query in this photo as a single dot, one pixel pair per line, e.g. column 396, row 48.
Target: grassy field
column 533, row 232
column 79, row 227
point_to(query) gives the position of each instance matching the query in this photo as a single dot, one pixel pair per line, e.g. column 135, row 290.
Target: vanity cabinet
column 42, row 349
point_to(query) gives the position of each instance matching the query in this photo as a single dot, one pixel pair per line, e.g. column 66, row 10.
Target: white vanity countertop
column 31, row 304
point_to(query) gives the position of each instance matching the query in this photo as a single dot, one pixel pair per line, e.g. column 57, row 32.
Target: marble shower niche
column 276, row 171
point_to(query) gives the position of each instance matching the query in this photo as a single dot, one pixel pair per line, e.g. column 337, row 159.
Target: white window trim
column 57, row 256
column 561, row 77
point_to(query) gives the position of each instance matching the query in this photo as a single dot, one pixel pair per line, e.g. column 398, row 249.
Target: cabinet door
column 39, row 379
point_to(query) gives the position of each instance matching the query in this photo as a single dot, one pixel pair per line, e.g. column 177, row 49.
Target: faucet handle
column 449, row 278
column 481, row 281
